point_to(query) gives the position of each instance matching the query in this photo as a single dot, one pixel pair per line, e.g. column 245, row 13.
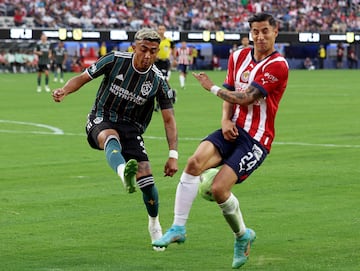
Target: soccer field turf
column 62, row 207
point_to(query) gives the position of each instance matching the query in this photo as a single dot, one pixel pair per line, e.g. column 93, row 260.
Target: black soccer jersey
column 44, row 48
column 126, row 94
column 59, row 54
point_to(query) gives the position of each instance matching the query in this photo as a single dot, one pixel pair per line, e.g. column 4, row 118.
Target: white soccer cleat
column 47, row 89
column 155, row 232
column 38, row 89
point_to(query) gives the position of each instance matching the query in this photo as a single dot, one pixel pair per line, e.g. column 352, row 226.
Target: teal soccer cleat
column 176, row 234
column 130, row 171
column 242, row 248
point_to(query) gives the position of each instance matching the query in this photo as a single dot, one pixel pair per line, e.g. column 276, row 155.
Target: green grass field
column 62, row 207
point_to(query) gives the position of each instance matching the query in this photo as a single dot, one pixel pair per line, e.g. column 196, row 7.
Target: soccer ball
column 206, row 181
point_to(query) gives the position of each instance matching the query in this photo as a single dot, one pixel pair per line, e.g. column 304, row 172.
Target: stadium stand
column 322, row 16
column 231, row 15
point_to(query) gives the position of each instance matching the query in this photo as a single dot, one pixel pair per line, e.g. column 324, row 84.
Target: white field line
column 57, row 131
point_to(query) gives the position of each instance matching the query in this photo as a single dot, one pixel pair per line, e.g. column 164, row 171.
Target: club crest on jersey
column 146, row 88
column 245, row 76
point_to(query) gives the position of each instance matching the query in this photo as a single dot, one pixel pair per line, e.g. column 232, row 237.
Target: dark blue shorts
column 243, row 155
column 182, row 68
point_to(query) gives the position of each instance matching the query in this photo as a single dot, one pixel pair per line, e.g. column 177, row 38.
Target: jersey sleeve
column 165, row 96
column 101, row 66
column 272, row 77
column 229, row 82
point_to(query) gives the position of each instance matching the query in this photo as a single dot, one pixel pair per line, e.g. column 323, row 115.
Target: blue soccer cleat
column 242, row 248
column 176, row 234
column 130, row 171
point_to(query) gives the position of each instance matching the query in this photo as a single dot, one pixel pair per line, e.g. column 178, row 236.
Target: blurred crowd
column 230, row 15
column 26, row 61
column 21, row 61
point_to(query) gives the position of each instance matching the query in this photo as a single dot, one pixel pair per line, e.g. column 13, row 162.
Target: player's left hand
column 171, row 167
column 229, row 130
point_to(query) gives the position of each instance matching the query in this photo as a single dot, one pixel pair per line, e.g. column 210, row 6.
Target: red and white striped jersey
column 184, row 55
column 270, row 76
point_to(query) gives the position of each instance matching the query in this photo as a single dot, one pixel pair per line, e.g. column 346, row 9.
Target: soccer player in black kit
column 121, row 113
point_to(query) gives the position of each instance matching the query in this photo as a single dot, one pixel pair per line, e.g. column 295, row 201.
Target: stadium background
column 62, row 209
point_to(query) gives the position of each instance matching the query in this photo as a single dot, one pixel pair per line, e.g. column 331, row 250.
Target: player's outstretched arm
column 243, row 98
column 70, row 86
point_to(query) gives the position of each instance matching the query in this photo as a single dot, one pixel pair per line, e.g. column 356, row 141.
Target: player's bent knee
column 193, row 166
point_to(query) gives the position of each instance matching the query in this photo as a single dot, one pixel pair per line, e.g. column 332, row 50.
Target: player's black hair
column 262, row 17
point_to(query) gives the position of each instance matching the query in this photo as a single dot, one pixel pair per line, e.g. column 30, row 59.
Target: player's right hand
column 171, row 167
column 204, row 80
column 58, row 94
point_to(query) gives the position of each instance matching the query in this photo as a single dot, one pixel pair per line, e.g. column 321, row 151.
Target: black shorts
column 243, row 155
column 59, row 65
column 163, row 66
column 132, row 143
column 43, row 67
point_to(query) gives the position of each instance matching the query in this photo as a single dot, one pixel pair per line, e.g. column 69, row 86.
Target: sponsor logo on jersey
column 127, row 95
column 269, row 78
column 120, row 77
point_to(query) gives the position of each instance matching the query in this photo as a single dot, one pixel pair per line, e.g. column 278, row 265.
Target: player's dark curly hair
column 262, row 17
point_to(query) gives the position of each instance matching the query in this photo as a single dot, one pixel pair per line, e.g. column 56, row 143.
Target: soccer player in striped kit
column 184, row 59
column 255, row 82
column 121, row 113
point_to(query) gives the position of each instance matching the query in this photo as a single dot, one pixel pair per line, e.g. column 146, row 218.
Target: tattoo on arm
column 244, row 98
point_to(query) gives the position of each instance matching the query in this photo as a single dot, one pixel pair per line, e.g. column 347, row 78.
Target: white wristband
column 173, row 154
column 215, row 89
